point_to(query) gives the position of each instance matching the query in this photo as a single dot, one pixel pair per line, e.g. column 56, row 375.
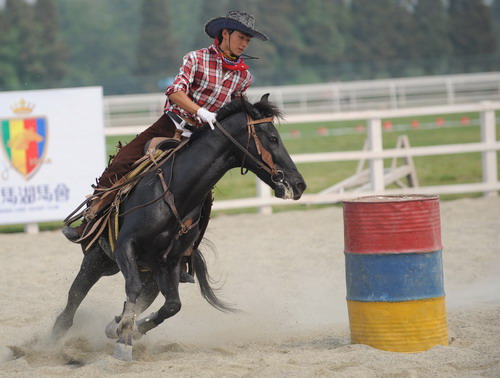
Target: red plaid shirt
column 201, row 77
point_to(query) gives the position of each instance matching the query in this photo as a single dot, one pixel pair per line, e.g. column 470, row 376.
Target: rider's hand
column 207, row 116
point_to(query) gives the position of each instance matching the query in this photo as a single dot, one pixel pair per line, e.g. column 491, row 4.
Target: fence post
column 336, row 98
column 450, row 91
column 393, row 95
column 263, row 191
column 31, row 228
column 375, row 145
column 489, row 158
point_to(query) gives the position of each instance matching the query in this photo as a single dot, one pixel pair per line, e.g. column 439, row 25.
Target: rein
column 267, row 163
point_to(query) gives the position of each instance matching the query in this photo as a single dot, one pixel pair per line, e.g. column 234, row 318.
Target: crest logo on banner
column 24, row 139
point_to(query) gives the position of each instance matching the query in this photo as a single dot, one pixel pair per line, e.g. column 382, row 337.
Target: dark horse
column 154, row 234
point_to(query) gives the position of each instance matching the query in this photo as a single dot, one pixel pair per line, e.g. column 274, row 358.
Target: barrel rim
column 389, row 198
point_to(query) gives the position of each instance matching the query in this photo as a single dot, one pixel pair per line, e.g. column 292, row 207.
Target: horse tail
column 204, row 281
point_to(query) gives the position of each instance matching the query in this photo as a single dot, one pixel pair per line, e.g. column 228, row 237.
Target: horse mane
column 259, row 110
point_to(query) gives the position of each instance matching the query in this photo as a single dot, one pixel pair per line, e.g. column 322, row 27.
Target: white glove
column 207, row 116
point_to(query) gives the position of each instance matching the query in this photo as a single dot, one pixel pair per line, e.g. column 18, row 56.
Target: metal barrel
column 394, row 272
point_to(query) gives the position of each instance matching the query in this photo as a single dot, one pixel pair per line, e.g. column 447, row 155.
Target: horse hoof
column 123, row 352
column 111, row 330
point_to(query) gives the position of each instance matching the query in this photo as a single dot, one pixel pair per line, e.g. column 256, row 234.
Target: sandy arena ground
column 286, row 273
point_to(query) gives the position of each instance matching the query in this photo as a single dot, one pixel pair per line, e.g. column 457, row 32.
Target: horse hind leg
column 167, row 279
column 95, row 264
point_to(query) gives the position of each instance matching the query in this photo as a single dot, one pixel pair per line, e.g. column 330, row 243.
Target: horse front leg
column 148, row 294
column 125, row 258
column 167, row 279
column 95, row 264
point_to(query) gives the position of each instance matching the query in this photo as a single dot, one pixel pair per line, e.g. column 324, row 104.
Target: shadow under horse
column 155, row 231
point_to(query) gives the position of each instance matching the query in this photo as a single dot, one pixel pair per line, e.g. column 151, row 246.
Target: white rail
column 488, row 146
column 142, row 110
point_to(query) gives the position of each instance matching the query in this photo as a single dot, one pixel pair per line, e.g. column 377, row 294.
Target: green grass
column 45, row 226
column 431, row 170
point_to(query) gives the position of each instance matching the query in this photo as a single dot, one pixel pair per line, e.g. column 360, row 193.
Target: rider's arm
column 182, row 100
column 178, row 90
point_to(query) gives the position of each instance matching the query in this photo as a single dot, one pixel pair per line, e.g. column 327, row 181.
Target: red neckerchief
column 230, row 62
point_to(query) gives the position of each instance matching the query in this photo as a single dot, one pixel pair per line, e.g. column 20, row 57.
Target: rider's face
column 235, row 43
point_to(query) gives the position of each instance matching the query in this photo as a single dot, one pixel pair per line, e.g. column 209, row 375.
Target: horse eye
column 274, row 140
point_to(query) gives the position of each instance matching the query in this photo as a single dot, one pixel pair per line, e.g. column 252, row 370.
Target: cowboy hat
column 236, row 20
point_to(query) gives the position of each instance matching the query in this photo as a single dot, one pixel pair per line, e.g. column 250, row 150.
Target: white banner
column 53, row 148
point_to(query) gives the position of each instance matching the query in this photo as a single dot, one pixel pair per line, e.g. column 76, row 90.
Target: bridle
column 267, row 163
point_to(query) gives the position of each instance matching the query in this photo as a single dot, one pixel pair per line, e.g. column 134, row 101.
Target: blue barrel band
column 394, row 277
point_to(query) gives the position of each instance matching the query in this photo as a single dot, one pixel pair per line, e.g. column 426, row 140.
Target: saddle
column 102, row 211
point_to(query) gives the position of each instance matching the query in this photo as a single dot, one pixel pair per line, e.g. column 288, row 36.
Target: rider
column 208, row 79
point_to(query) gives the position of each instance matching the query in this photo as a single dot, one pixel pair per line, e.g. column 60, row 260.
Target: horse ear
column 265, row 98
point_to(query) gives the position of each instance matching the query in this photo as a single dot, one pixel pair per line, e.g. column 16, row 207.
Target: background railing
column 139, row 111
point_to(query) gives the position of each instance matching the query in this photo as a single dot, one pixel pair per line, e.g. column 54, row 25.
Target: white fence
column 140, row 111
column 385, row 94
column 488, row 146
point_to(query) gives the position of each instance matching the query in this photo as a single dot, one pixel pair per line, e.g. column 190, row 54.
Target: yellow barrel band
column 410, row 326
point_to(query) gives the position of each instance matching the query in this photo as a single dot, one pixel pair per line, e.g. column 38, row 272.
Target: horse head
column 263, row 151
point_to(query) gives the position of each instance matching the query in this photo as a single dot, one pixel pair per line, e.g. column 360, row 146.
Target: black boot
column 186, row 270
column 186, row 277
column 71, row 234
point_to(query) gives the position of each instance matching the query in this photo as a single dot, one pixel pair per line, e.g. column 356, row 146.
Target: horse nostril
column 302, row 186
